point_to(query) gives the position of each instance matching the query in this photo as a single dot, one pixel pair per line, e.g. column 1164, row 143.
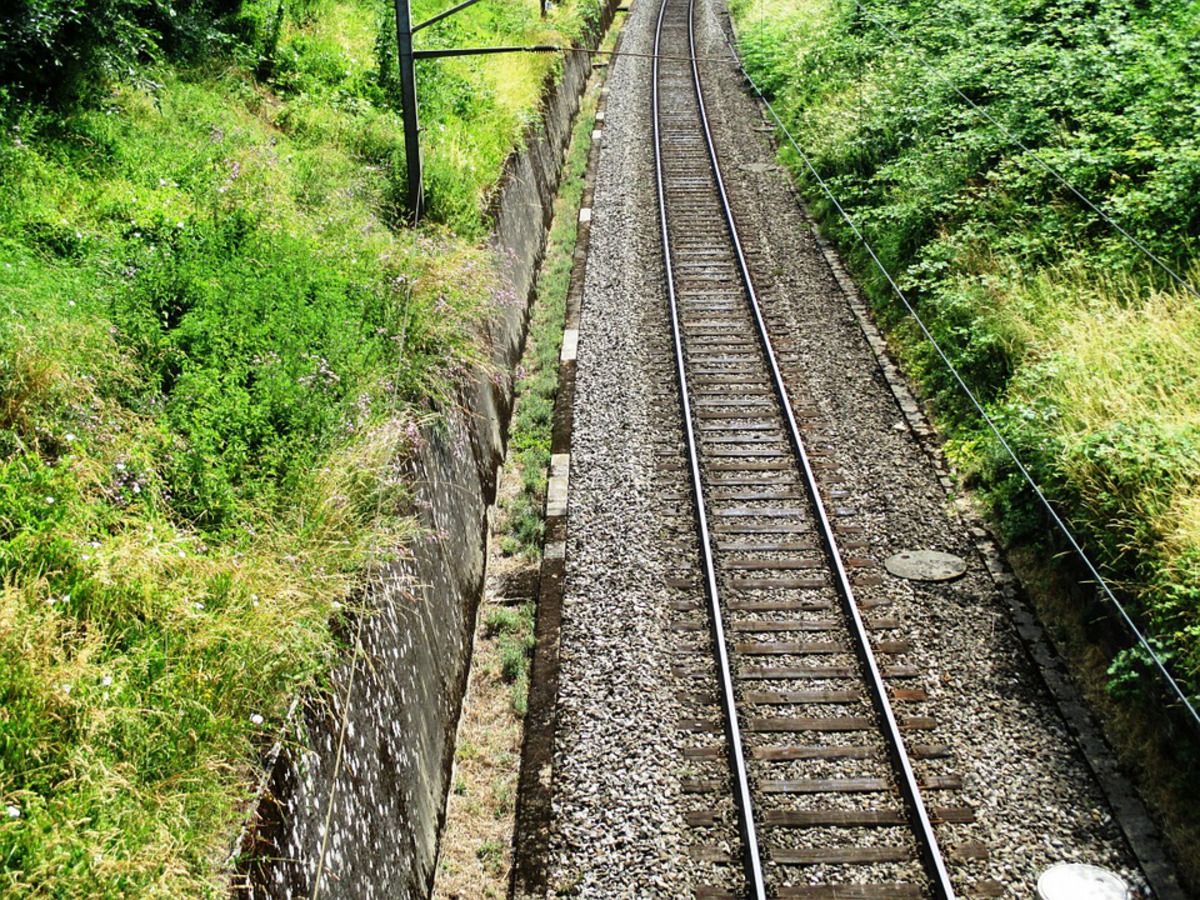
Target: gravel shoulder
column 617, row 829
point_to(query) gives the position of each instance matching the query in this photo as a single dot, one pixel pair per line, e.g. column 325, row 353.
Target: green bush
column 256, row 363
column 503, row 620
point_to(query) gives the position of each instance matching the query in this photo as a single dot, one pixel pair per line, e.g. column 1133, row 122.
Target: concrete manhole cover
column 926, row 565
column 1079, row 881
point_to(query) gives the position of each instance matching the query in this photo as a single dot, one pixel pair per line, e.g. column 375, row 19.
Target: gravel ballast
column 618, row 826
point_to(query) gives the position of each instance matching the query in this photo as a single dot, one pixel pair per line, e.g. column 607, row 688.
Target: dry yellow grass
column 476, row 847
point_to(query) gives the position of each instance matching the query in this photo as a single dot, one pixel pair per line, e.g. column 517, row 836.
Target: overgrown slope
column 217, row 342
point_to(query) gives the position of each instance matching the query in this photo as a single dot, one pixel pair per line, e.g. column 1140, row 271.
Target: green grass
column 537, row 382
column 491, row 856
column 513, row 630
column 192, row 394
column 1085, row 354
column 216, row 353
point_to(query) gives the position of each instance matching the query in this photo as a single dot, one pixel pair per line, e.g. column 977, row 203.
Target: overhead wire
column 1158, row 664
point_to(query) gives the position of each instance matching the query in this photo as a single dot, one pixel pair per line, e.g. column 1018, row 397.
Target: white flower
column 14, row 812
column 256, row 719
column 106, row 680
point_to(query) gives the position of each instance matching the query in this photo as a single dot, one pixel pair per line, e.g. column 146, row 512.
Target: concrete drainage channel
column 355, row 797
column 499, row 802
column 534, row 810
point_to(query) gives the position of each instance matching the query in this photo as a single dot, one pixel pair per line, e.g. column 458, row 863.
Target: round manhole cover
column 926, row 565
column 1079, row 881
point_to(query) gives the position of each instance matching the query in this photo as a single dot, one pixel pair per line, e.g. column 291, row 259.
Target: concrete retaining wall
column 356, row 812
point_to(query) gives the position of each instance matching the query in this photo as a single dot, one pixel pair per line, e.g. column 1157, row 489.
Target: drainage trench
column 355, row 800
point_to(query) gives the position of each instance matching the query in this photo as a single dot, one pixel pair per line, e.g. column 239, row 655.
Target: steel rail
column 755, row 877
column 930, row 851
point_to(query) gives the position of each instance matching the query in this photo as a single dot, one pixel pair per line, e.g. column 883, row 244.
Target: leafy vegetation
column 60, row 51
column 217, row 350
column 1083, row 350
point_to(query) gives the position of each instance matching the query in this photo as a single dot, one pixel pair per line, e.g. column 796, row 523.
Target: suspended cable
column 551, row 48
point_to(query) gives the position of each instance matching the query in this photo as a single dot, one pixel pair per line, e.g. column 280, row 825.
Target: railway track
column 828, row 799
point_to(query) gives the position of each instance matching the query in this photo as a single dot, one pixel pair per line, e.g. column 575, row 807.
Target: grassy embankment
column 1088, row 357
column 217, row 341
